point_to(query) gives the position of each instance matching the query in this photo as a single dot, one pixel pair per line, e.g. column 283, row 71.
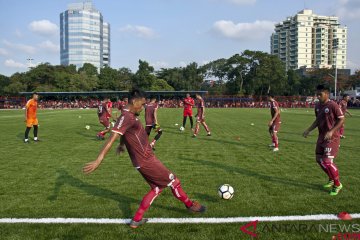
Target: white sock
column 35, row 138
column 26, row 140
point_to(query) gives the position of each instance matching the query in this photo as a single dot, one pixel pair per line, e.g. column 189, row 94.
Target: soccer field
column 44, row 180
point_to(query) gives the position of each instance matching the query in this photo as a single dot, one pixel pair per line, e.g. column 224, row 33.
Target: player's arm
column 339, row 123
column 277, row 112
column 312, row 127
column 121, row 147
column 92, row 166
column 348, row 113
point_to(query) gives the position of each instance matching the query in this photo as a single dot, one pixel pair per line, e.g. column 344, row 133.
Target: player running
column 188, row 104
column 329, row 119
column 200, row 116
column 151, row 120
column 31, row 118
column 343, row 106
column 104, row 114
column 134, row 137
column 274, row 124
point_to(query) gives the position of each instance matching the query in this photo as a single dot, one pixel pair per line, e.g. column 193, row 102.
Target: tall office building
column 307, row 40
column 84, row 36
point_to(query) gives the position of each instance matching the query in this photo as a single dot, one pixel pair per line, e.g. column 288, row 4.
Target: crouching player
column 134, row 137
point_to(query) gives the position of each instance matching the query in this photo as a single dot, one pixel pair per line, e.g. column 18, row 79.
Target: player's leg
column 191, row 121
column 197, row 127
column 156, row 138
column 271, row 136
column 36, row 127
column 27, row 130
column 144, row 206
column 207, row 129
column 105, row 122
column 148, row 130
column 330, row 152
column 275, row 130
column 180, row 194
column 341, row 131
column 320, row 161
column 184, row 121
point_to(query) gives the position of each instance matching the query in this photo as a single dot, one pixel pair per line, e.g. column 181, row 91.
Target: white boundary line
column 176, row 220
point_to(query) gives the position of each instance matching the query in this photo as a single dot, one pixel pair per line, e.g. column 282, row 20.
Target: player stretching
column 343, row 106
column 31, row 118
column 274, row 124
column 200, row 116
column 104, row 114
column 134, row 137
column 188, row 104
column 329, row 119
column 151, row 121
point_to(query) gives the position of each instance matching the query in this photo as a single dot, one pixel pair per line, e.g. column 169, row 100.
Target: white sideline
column 176, row 220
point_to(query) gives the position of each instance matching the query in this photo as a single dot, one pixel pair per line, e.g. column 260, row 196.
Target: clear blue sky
column 166, row 33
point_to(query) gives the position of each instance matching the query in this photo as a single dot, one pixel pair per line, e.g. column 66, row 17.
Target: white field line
column 176, row 220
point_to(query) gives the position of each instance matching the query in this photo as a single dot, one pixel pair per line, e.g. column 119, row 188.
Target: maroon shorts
column 156, row 174
column 200, row 118
column 105, row 121
column 188, row 113
column 275, row 127
column 327, row 149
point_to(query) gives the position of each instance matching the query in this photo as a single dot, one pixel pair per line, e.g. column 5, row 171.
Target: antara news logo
column 340, row 231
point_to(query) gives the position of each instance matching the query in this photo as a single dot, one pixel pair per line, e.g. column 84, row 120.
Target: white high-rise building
column 84, row 36
column 308, row 40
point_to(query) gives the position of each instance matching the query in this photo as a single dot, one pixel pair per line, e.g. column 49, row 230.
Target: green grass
column 45, row 179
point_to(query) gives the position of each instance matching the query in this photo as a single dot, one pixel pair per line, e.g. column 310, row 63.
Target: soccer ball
column 182, row 128
column 87, row 127
column 226, row 191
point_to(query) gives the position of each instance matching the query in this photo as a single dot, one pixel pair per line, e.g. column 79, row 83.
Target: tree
column 89, row 69
column 161, row 85
column 4, row 82
column 144, row 77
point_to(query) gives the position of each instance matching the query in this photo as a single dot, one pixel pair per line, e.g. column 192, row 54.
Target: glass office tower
column 84, row 36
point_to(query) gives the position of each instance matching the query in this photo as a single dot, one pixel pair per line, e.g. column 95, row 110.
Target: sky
column 165, row 33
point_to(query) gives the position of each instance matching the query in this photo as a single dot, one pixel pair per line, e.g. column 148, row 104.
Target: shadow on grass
column 124, row 202
column 249, row 173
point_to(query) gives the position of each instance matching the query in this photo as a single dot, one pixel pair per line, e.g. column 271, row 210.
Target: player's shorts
column 200, row 118
column 327, row 149
column 105, row 122
column 275, row 127
column 31, row 122
column 188, row 113
column 156, row 174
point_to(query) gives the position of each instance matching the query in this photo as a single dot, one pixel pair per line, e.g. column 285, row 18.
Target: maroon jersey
column 200, row 108
column 150, row 113
column 343, row 106
column 102, row 110
column 273, row 106
column 188, row 103
column 327, row 115
column 135, row 138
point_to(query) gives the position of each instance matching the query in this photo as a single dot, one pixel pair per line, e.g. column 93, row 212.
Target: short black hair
column 322, row 88
column 136, row 94
column 271, row 95
column 35, row 93
column 345, row 95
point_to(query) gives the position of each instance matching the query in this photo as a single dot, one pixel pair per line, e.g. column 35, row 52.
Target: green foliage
column 247, row 73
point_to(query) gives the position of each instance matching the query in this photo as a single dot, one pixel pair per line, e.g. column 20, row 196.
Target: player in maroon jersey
column 329, row 119
column 104, row 114
column 188, row 104
column 134, row 137
column 343, row 105
column 151, row 120
column 200, row 116
column 274, row 123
